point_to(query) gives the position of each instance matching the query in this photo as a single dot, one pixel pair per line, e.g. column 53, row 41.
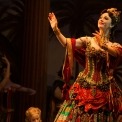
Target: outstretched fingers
column 97, row 34
column 51, row 16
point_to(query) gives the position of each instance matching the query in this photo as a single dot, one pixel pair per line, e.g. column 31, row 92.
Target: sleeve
column 70, row 54
column 118, row 49
column 116, row 65
column 69, row 60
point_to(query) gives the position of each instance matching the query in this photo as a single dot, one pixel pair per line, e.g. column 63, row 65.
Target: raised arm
column 62, row 39
column 54, row 25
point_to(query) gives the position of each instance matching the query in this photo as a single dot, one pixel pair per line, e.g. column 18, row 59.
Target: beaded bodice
column 95, row 71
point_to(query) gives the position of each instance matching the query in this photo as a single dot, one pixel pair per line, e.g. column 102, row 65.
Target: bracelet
column 56, row 31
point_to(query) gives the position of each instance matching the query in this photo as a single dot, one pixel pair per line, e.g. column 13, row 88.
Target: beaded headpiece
column 115, row 13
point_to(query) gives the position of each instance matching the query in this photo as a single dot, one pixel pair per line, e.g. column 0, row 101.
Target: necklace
column 102, row 40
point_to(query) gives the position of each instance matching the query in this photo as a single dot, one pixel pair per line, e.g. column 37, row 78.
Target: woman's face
column 104, row 22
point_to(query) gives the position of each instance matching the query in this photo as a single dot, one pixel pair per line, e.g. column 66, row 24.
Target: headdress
column 115, row 13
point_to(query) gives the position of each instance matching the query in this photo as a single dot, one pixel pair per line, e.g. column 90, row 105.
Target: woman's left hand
column 101, row 40
column 97, row 36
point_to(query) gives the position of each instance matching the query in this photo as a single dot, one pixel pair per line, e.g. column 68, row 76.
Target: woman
column 94, row 96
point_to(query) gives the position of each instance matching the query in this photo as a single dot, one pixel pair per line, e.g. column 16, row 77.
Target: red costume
column 95, row 96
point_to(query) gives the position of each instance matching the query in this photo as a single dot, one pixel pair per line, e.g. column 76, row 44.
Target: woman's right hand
column 53, row 20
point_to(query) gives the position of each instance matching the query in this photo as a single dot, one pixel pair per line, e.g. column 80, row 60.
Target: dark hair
column 115, row 19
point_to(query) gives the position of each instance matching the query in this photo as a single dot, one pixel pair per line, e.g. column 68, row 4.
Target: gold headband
column 115, row 13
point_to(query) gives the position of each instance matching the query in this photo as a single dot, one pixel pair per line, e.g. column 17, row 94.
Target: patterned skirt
column 90, row 105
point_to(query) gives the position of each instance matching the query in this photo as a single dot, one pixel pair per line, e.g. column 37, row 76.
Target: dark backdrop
column 75, row 17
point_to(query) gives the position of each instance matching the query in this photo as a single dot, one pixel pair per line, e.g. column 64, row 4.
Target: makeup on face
column 104, row 21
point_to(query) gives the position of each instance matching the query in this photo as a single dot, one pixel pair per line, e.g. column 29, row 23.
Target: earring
column 111, row 26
